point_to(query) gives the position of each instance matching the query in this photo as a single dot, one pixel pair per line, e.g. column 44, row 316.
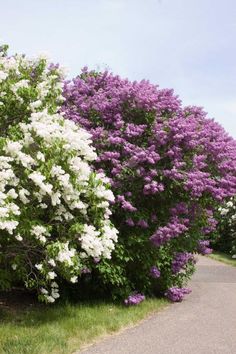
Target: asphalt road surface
column 204, row 323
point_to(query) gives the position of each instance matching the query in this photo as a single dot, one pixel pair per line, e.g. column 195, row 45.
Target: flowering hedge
column 169, row 167
column 54, row 209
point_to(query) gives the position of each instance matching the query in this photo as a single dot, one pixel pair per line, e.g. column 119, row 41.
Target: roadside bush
column 54, row 209
column 226, row 242
column 169, row 167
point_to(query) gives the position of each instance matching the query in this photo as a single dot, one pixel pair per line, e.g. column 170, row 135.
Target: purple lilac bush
column 169, row 166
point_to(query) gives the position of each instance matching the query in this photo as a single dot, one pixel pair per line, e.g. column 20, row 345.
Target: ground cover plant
column 54, row 209
column 169, row 166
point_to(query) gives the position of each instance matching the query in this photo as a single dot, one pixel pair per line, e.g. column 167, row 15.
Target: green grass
column 223, row 257
column 65, row 328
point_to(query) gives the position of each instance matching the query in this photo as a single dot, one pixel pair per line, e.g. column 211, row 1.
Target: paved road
column 204, row 323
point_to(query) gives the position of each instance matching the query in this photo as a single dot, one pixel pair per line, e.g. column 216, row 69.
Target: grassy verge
column 223, row 257
column 62, row 329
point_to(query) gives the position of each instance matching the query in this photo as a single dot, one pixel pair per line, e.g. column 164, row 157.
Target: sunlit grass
column 65, row 328
column 223, row 257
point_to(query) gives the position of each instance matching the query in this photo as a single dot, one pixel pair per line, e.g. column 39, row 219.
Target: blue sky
column 188, row 45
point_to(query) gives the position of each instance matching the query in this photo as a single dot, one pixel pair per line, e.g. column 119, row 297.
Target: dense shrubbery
column 169, row 166
column 54, row 209
column 226, row 242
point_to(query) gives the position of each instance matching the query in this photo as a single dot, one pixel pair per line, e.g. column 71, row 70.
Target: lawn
column 223, row 257
column 64, row 328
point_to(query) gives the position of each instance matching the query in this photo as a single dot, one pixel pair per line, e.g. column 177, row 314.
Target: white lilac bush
column 54, row 209
column 227, row 228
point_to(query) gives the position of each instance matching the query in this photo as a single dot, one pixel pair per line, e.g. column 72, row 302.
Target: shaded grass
column 64, row 328
column 223, row 257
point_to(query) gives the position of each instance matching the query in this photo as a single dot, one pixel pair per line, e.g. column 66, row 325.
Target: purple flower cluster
column 176, row 294
column 211, row 222
column 85, row 271
column 126, row 205
column 155, row 272
column 134, row 299
column 203, row 247
column 180, row 261
column 173, row 229
column 142, row 223
column 130, row 222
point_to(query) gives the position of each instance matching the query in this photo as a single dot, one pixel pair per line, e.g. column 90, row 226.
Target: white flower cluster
column 9, row 210
column 53, row 295
column 66, row 254
column 17, row 67
column 97, row 243
column 229, row 209
column 40, row 232
column 51, row 200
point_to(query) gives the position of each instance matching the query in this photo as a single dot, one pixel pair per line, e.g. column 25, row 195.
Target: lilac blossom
column 203, row 247
column 129, row 222
column 173, row 229
column 143, row 224
column 126, row 205
column 86, row 270
column 180, row 260
column 155, row 272
column 211, row 222
column 134, row 299
column 176, row 294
